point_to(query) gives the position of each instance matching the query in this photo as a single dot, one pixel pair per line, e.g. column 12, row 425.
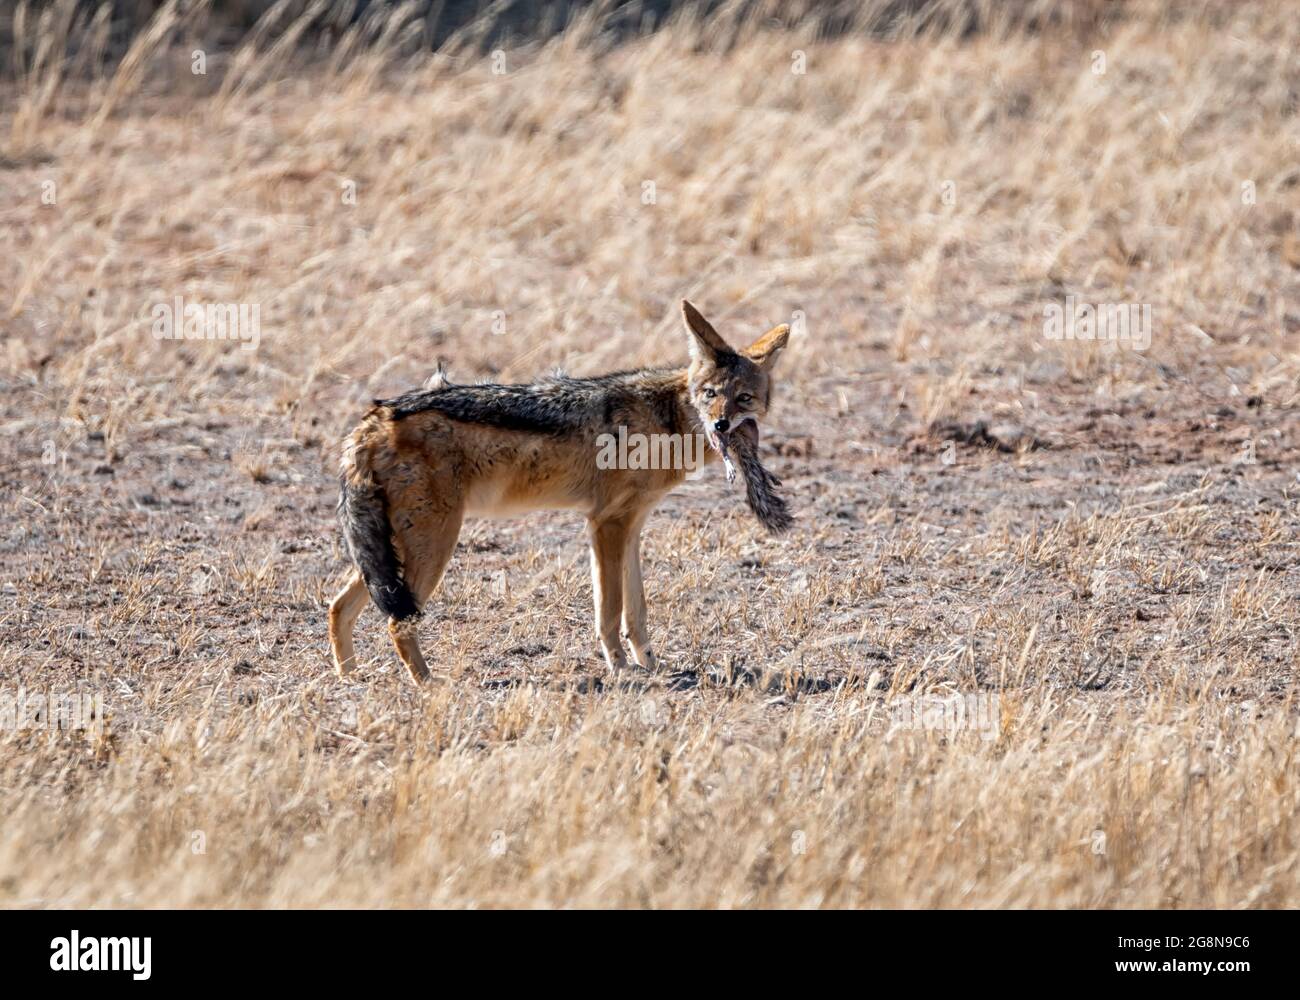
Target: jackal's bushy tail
column 363, row 513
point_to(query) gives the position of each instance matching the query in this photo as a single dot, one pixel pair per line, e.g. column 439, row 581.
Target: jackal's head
column 729, row 389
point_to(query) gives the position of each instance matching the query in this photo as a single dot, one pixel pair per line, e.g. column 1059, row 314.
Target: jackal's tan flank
column 419, row 464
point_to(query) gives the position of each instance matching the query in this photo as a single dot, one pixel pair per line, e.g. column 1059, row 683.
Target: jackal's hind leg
column 425, row 545
column 343, row 618
column 408, row 647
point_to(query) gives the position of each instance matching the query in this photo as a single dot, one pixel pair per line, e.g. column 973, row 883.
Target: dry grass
column 1113, row 557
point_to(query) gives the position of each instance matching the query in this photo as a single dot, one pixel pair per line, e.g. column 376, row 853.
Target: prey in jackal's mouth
column 420, row 463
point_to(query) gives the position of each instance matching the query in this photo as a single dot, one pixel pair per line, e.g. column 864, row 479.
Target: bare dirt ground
column 1098, row 542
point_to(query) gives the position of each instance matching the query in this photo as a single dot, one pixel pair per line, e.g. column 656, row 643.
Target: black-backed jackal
column 419, row 464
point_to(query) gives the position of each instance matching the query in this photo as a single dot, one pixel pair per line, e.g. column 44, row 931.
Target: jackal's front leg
column 634, row 614
column 608, row 545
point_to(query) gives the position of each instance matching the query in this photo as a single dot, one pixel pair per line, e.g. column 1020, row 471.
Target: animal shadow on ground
column 733, row 678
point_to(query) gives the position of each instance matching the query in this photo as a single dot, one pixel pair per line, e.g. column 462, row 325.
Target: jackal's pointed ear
column 704, row 340
column 764, row 350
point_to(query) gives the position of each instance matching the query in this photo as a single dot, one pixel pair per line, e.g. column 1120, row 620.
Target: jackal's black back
column 554, row 405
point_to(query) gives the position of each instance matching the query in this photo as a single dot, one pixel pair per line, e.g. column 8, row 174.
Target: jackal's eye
column 710, row 393
column 744, row 399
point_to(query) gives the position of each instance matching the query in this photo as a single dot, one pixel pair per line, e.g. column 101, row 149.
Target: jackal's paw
column 615, row 660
